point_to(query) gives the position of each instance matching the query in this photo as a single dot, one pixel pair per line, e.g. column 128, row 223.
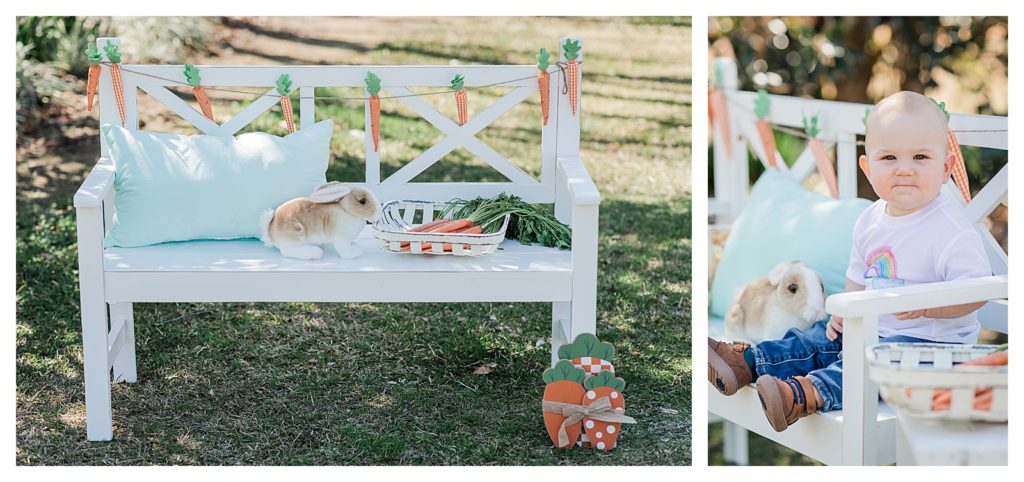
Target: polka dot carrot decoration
column 604, row 388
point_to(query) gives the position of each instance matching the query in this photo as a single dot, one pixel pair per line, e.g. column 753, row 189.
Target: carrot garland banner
column 718, row 112
column 821, row 158
column 193, row 79
column 572, row 52
column 959, row 169
column 373, row 88
column 544, row 82
column 284, row 87
column 114, row 56
column 761, row 106
column 93, row 82
column 458, row 85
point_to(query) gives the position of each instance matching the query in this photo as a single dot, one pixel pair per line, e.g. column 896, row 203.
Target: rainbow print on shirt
column 881, row 272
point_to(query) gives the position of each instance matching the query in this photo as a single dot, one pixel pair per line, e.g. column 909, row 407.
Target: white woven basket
column 396, row 219
column 908, row 374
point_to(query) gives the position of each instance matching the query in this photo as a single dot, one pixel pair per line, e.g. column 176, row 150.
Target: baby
column 911, row 235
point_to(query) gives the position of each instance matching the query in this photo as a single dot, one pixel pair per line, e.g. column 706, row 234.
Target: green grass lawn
column 331, row 383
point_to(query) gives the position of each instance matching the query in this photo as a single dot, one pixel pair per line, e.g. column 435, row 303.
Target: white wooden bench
column 244, row 270
column 864, row 432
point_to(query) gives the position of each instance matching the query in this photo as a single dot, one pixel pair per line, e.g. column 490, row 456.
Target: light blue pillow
column 782, row 221
column 172, row 187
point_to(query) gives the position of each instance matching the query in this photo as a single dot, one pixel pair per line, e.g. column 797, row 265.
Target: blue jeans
column 809, row 353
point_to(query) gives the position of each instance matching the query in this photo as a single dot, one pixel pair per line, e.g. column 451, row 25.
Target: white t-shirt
column 935, row 243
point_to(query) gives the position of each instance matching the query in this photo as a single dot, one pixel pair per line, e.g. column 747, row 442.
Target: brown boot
column 727, row 370
column 781, row 405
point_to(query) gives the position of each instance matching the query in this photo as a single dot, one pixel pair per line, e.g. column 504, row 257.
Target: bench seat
column 246, row 270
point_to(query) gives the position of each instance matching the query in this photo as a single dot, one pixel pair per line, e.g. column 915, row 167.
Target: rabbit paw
column 348, row 252
column 302, row 252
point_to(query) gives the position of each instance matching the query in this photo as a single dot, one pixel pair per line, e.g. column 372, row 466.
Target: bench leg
column 734, row 442
column 98, row 417
column 121, row 315
column 561, row 327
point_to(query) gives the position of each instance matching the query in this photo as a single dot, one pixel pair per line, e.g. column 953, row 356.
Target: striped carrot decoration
column 572, row 52
column 458, row 85
column 764, row 129
column 959, row 170
column 192, row 76
column 821, row 157
column 373, row 88
column 284, row 87
column 93, row 82
column 544, row 83
column 114, row 56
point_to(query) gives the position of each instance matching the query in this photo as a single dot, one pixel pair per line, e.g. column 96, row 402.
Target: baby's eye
column 888, row 157
column 919, row 157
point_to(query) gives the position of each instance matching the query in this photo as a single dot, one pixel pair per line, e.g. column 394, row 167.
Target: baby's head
column 907, row 158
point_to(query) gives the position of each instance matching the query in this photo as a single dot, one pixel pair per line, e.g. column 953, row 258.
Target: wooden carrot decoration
column 114, row 56
column 373, row 88
column 572, row 52
column 563, row 388
column 544, row 83
column 284, row 87
column 821, row 158
column 604, row 388
column 764, row 129
column 93, row 82
column 589, row 354
column 192, row 76
column 458, row 85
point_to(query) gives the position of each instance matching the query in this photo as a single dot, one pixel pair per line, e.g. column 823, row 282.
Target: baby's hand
column 909, row 315
column 834, row 328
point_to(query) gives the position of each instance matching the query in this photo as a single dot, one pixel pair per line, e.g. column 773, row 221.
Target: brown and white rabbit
column 792, row 296
column 333, row 214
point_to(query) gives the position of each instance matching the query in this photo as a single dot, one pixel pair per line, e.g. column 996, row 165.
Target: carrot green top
column 587, row 344
column 95, row 57
column 113, row 53
column 571, row 49
column 372, row 83
column 811, row 125
column 284, row 85
column 605, row 379
column 564, row 370
column 761, row 104
column 542, row 60
column 192, row 75
column 458, row 82
column 942, row 105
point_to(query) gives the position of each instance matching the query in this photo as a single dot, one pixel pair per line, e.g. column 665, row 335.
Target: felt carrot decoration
column 193, row 79
column 458, row 85
column 764, row 129
column 114, row 56
column 589, row 354
column 544, row 82
column 604, row 390
column 93, row 82
column 572, row 52
column 373, row 88
column 717, row 111
column 959, row 170
column 828, row 173
column 563, row 397
column 284, row 87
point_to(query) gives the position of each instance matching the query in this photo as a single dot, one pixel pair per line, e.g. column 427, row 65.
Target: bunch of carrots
column 942, row 398
column 449, row 226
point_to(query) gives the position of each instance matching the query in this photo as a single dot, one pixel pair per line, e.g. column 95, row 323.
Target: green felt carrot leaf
column 113, row 53
column 587, row 344
column 372, row 83
column 761, row 104
column 811, row 125
column 571, row 49
column 942, row 105
column 605, row 379
column 564, row 370
column 284, row 84
column 543, row 59
column 864, row 120
column 93, row 53
column 458, row 82
column 192, row 75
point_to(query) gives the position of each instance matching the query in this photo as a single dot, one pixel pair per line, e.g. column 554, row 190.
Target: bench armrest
column 96, row 186
column 581, row 187
column 907, row 298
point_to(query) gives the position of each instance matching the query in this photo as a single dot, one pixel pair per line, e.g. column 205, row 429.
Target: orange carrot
column 563, row 385
column 942, row 399
column 959, row 171
column 458, row 85
column 825, row 168
column 114, row 56
column 284, row 87
column 93, row 81
column 992, row 359
column 572, row 50
column 373, row 87
column 768, row 141
column 204, row 101
column 544, row 83
column 450, row 226
column 424, row 227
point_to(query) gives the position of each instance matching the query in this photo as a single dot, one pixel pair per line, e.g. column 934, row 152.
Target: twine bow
column 573, row 413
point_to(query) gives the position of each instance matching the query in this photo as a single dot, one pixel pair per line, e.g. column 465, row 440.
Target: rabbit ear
column 776, row 274
column 329, row 192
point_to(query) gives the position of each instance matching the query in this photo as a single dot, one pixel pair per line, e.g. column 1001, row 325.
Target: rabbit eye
column 792, row 288
column 362, row 200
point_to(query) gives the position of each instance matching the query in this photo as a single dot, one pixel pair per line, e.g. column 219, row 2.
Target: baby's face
column 906, row 158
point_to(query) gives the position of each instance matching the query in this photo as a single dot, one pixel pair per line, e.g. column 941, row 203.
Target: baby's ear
column 947, row 166
column 864, row 166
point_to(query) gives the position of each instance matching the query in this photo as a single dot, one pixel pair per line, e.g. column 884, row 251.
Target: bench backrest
column 841, row 123
column 559, row 138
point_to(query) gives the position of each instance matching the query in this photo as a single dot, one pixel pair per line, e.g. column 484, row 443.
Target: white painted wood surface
column 245, row 270
column 931, row 442
column 859, row 440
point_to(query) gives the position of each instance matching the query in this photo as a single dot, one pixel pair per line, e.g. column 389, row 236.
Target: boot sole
column 771, row 402
column 719, row 373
